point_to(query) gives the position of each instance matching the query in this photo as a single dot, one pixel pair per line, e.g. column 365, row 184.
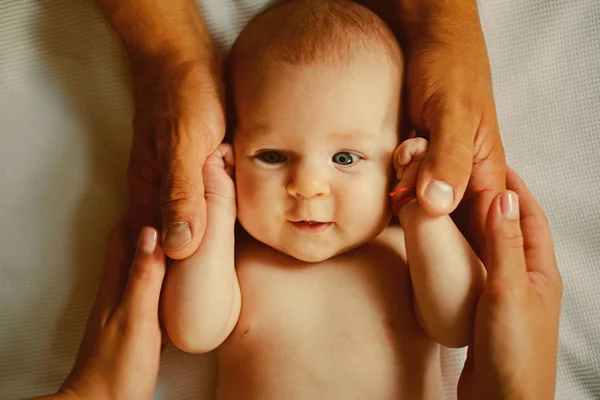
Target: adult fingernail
column 440, row 194
column 178, row 235
column 509, row 205
column 147, row 240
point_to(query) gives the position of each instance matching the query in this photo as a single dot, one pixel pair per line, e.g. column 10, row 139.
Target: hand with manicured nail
column 514, row 352
column 120, row 351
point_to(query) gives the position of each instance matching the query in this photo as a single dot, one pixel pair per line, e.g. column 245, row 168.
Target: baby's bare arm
column 446, row 275
column 201, row 297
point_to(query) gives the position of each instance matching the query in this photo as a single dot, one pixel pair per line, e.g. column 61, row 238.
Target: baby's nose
column 308, row 182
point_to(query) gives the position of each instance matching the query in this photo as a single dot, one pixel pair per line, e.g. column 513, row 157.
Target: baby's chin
column 312, row 254
column 310, row 257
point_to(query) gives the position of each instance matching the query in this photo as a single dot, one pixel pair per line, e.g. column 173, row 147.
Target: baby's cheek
column 256, row 200
column 247, row 192
column 367, row 201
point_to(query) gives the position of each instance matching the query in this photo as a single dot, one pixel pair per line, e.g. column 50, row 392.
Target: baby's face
column 313, row 147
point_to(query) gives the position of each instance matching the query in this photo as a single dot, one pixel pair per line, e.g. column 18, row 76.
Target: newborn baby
column 323, row 297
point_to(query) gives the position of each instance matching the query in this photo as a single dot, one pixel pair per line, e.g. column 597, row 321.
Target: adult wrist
column 437, row 20
column 168, row 32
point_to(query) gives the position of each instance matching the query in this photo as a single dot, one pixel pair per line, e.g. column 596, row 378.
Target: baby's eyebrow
column 355, row 135
column 258, row 128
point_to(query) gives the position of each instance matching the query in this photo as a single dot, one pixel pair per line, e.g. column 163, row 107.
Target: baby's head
column 316, row 94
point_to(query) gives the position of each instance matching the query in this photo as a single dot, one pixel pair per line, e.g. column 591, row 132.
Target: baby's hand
column 218, row 175
column 407, row 161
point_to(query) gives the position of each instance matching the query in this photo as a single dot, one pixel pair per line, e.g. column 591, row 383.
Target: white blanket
column 65, row 123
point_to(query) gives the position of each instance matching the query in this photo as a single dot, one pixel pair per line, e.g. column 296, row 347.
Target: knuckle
column 142, row 171
column 488, row 155
column 539, row 220
column 450, row 103
column 225, row 148
column 464, row 105
column 510, row 239
column 397, row 156
column 449, row 99
column 452, row 158
column 435, row 102
column 177, row 192
column 421, row 143
column 504, row 293
column 129, row 325
column 124, row 324
column 404, row 146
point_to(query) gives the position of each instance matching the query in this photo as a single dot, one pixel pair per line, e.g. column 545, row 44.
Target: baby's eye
column 271, row 157
column 345, row 158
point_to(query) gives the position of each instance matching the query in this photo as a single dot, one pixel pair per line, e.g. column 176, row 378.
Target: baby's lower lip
column 311, row 226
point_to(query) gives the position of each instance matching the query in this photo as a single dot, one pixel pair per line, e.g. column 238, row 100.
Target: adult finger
column 488, row 179
column 446, row 169
column 539, row 248
column 143, row 178
column 142, row 293
column 504, row 256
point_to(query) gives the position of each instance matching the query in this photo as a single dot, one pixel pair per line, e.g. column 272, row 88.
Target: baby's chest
column 344, row 328
column 360, row 302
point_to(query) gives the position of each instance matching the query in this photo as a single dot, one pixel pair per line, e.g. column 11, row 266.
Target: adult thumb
column 504, row 255
column 142, row 293
column 447, row 166
column 182, row 204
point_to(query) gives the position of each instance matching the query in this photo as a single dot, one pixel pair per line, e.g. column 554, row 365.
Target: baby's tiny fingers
column 411, row 150
column 228, row 157
column 398, row 166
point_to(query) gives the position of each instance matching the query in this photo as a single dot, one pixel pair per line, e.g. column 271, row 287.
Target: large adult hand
column 120, row 351
column 450, row 100
column 179, row 115
column 179, row 121
column 514, row 352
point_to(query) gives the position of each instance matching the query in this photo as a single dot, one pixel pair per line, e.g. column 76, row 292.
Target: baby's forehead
column 267, row 131
column 266, row 135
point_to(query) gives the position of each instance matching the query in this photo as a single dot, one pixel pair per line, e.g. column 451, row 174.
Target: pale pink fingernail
column 440, row 194
column 509, row 204
column 147, row 240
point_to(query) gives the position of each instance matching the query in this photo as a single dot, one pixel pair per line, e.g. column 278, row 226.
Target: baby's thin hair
column 300, row 32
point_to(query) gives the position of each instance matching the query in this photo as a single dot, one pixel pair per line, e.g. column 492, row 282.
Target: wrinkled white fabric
column 65, row 122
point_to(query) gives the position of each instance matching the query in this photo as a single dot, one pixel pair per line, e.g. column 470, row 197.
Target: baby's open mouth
column 311, row 226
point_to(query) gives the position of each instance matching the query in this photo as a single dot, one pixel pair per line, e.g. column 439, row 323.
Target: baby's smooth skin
column 317, row 301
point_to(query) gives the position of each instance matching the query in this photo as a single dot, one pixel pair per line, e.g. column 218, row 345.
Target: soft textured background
column 65, row 122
